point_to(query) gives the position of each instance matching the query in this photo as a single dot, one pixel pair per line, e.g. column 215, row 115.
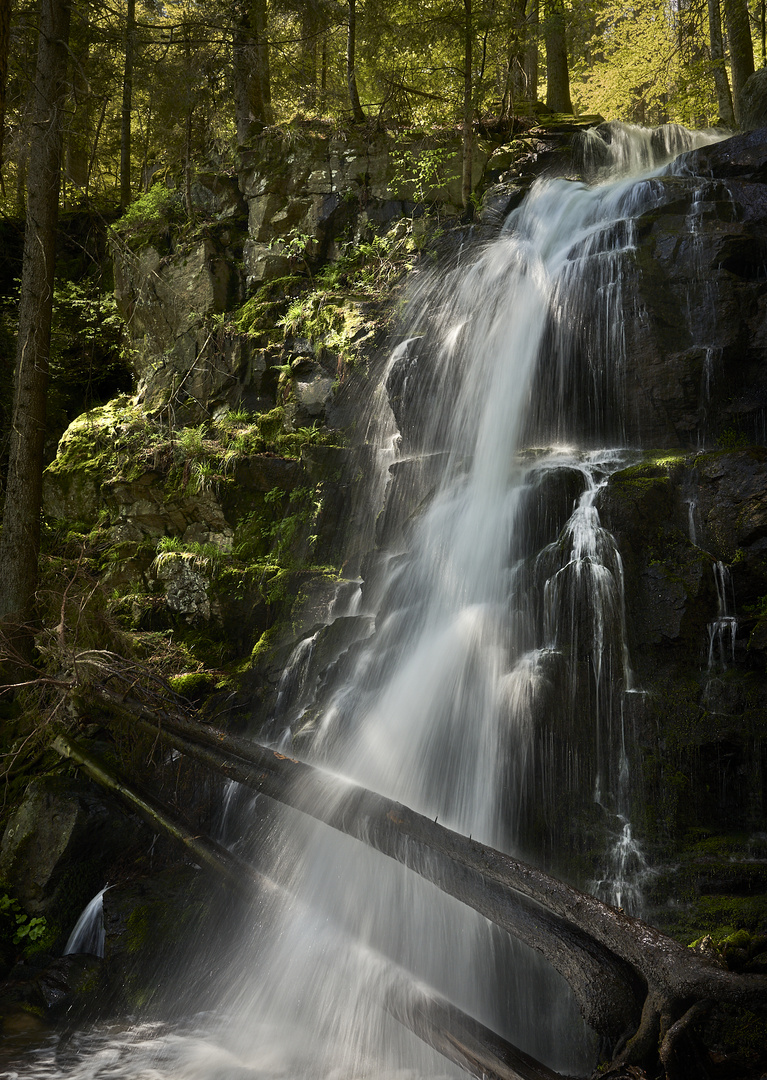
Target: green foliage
column 730, row 439
column 88, row 364
column 170, row 550
column 151, row 213
column 420, row 173
column 648, row 64
column 31, row 932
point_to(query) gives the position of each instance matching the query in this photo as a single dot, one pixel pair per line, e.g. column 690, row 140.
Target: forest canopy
column 153, row 86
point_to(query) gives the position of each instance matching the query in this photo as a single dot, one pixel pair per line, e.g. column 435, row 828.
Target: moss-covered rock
column 59, row 844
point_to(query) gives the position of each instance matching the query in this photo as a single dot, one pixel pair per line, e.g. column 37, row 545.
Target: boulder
column 59, row 844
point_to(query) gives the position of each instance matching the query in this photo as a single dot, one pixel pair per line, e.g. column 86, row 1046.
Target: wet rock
column 732, row 493
column 61, row 986
column 743, row 156
column 412, row 487
column 58, row 844
column 313, row 391
column 499, row 200
column 547, row 502
column 179, row 916
column 263, row 472
column 695, row 334
column 670, row 589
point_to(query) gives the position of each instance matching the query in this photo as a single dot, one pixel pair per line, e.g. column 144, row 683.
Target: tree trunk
column 468, row 104
column 358, row 115
column 251, row 76
column 20, row 539
column 741, row 48
column 5, row 41
column 604, row 987
column 459, row 1037
column 95, row 144
column 531, row 52
column 557, row 73
column 445, row 1027
column 310, row 24
column 516, row 75
column 723, row 95
column 127, row 104
column 611, row 960
column 237, row 872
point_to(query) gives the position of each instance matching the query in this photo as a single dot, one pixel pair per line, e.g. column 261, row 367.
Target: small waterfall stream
column 499, row 624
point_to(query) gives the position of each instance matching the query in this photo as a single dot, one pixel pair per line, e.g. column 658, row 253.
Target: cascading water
column 88, row 934
column 722, row 629
column 498, row 626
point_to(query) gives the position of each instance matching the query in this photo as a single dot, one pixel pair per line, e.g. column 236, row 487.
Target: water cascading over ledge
column 490, row 694
column 489, row 684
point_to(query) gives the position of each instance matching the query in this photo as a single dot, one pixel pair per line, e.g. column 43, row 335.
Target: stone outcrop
column 696, row 304
column 58, row 844
column 308, row 193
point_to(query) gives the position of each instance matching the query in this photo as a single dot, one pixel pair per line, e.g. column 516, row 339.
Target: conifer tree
column 20, row 538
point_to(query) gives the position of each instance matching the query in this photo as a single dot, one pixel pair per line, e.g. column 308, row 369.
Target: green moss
column 111, row 440
column 740, row 1036
column 193, row 684
column 150, row 217
column 264, row 644
column 137, row 927
column 725, row 919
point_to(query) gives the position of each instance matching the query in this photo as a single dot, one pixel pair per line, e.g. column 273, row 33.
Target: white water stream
column 498, row 606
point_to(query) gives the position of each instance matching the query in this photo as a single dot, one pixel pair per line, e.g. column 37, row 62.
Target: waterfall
column 490, row 693
column 88, row 934
column 498, row 625
column 722, row 629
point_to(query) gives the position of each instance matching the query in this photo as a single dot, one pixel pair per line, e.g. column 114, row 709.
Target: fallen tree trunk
column 461, row 1038
column 608, row 993
column 238, row 874
column 616, row 963
column 445, row 1027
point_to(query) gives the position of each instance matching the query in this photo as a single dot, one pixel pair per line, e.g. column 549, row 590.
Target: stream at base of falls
column 500, row 599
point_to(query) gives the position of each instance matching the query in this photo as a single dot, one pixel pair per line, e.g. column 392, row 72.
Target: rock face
column 308, row 197
column 166, row 301
column 696, row 305
column 306, row 193
column 690, row 526
column 58, row 844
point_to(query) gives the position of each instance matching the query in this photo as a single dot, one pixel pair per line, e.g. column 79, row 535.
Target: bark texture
column 468, row 103
column 445, row 1027
column 127, row 104
column 557, row 71
column 615, row 964
column 358, row 115
column 741, row 48
column 721, row 82
column 5, row 41
column 20, row 540
column 250, row 68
